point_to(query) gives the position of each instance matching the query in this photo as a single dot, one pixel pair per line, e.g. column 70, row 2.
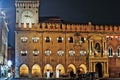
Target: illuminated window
column 117, row 37
column 24, row 39
column 60, row 52
column 82, row 52
column 47, row 52
column 35, row 39
column 110, row 52
column 23, row 53
column 47, row 39
column 71, row 52
column 59, row 39
column 109, row 37
column 70, row 40
column 82, row 40
column 118, row 51
column 35, row 52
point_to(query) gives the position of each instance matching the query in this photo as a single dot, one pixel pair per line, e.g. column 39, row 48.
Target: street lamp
column 9, row 63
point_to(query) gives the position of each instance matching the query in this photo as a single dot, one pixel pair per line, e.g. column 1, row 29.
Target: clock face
column 27, row 17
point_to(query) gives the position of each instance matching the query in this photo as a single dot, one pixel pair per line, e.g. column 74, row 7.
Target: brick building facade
column 54, row 45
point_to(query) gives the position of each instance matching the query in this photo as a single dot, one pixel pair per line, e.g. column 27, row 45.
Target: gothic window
column 109, row 37
column 82, row 52
column 117, row 37
column 35, row 39
column 110, row 51
column 82, row 40
column 47, row 39
column 71, row 52
column 60, row 52
column 23, row 52
column 97, row 47
column 59, row 39
column 47, row 52
column 70, row 40
column 118, row 51
column 24, row 39
column 35, row 52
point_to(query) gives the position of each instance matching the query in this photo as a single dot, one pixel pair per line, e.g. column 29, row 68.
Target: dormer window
column 47, row 39
column 70, row 40
column 35, row 52
column 60, row 39
column 35, row 39
column 60, row 52
column 23, row 53
column 71, row 52
column 47, row 52
column 24, row 39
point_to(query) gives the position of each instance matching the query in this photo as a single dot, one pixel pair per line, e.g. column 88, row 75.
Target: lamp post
column 9, row 64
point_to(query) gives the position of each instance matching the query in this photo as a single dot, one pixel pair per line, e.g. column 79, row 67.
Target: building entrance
column 99, row 69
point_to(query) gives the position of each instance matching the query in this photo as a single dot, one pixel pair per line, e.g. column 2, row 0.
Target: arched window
column 118, row 51
column 47, row 39
column 70, row 40
column 60, row 39
column 24, row 39
column 35, row 52
column 110, row 51
column 82, row 39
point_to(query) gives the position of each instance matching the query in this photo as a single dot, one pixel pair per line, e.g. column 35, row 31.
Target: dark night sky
column 80, row 11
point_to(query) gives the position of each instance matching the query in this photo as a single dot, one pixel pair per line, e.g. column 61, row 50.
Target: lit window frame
column 24, row 39
column 110, row 52
column 70, row 39
column 35, row 52
column 35, row 39
column 24, row 52
column 60, row 52
column 48, row 52
column 60, row 39
column 71, row 52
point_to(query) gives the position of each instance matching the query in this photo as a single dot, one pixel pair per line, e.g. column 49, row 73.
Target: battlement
column 27, row 3
column 66, row 27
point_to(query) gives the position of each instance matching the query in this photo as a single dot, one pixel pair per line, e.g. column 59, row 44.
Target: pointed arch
column 36, row 70
column 24, row 70
column 47, row 67
column 71, row 67
column 61, row 69
column 110, row 51
column 83, row 69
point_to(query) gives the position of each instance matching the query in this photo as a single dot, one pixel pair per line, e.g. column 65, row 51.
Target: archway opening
column 24, row 71
column 99, row 69
column 47, row 68
column 36, row 71
column 71, row 70
column 83, row 69
column 61, row 69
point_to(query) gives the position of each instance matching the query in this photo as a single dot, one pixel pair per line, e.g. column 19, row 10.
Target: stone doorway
column 99, row 69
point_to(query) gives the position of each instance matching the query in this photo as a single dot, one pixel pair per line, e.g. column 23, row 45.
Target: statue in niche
column 97, row 47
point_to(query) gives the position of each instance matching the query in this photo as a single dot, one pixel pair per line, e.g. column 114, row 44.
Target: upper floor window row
column 25, row 39
column 25, row 52
column 47, row 39
column 111, row 37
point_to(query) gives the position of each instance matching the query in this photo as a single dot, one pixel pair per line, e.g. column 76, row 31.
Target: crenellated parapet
column 67, row 27
column 27, row 3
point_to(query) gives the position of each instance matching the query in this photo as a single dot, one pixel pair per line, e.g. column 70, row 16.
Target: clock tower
column 27, row 11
